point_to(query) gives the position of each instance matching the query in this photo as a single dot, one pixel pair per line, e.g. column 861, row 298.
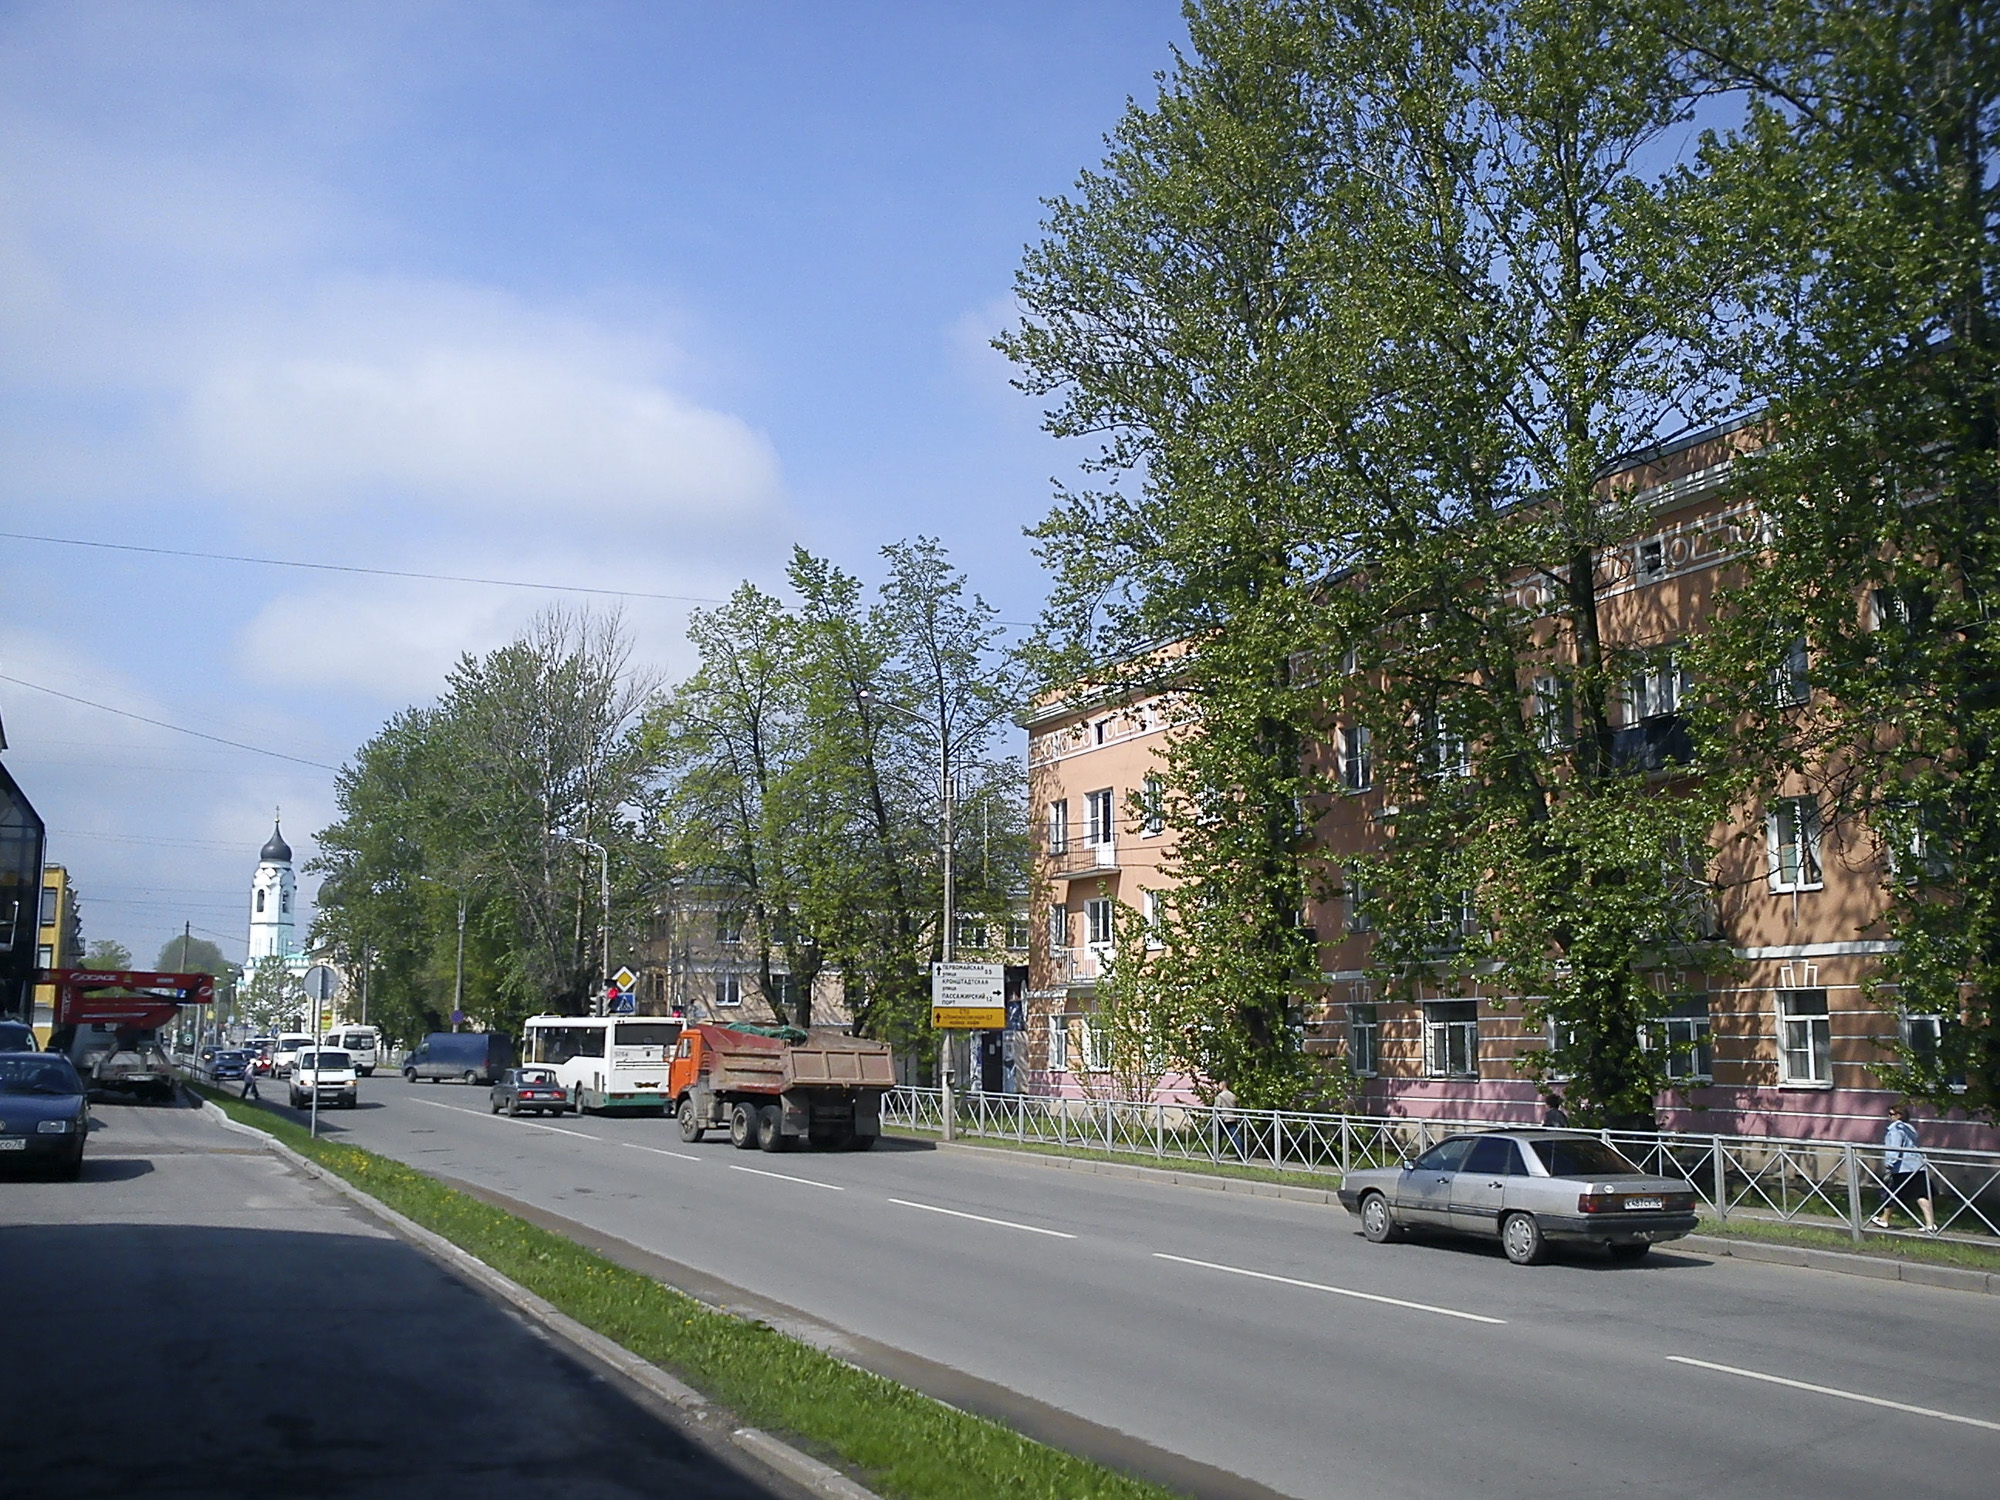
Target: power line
column 126, row 713
column 321, row 567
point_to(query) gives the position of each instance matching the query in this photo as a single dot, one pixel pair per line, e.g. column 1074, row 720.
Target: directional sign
column 968, row 997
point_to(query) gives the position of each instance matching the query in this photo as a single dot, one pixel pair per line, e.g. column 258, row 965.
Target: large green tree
column 1862, row 644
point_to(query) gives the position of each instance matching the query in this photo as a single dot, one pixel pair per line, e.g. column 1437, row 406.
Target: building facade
column 58, row 940
column 1786, row 1042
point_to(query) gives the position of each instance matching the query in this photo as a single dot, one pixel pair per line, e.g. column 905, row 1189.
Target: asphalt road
column 194, row 1318
column 1266, row 1338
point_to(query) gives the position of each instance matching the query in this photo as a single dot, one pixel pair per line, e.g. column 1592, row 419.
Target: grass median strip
column 903, row 1443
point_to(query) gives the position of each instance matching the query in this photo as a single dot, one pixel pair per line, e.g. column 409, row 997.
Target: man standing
column 1909, row 1173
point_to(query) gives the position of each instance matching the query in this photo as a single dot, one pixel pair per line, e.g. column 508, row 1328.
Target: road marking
column 1828, row 1390
column 787, row 1177
column 676, row 1155
column 1338, row 1291
column 932, row 1208
column 524, row 1124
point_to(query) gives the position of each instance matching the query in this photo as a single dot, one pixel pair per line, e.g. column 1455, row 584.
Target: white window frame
column 1357, row 758
column 1101, row 817
column 1058, row 832
column 1687, row 1029
column 1153, row 908
column 1100, row 923
column 1805, row 1039
column 1059, row 1044
column 1656, row 691
column 1551, row 710
column 1058, row 928
column 1451, row 1035
column 728, row 991
column 1791, row 674
column 1792, row 844
column 1152, row 807
column 1094, row 1045
column 1364, row 1040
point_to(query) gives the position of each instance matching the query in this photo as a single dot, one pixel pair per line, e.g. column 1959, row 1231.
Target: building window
column 728, row 990
column 1790, row 685
column 1364, row 1039
column 1153, row 807
column 1094, row 1042
column 1451, row 1039
column 1058, row 928
column 1059, row 826
column 1358, row 919
column 1017, row 931
column 1656, row 691
column 1924, row 1036
column 45, row 957
column 284, row 902
column 1097, row 921
column 1155, row 913
column 1685, row 1028
column 1792, row 830
column 729, row 927
column 1552, row 712
column 1357, row 758
column 1451, row 753
column 1098, row 815
column 1652, row 558
column 49, row 898
column 971, row 932
column 1058, row 1044
column 260, row 901
column 1805, row 1037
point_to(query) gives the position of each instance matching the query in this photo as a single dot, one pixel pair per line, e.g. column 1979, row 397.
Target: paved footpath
column 195, row 1318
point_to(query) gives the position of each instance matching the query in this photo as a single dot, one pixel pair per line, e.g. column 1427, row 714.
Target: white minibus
column 364, row 1042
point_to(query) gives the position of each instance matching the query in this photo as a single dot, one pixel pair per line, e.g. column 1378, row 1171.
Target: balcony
column 1080, row 967
column 1657, row 744
column 1079, row 861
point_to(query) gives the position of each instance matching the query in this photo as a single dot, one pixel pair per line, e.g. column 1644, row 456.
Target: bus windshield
column 648, row 1033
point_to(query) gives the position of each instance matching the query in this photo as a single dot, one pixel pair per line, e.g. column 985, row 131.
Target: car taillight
column 1600, row 1203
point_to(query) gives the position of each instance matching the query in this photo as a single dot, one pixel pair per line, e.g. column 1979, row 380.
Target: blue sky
column 633, row 295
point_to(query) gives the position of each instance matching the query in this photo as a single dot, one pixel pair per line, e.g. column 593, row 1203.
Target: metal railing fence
column 1832, row 1184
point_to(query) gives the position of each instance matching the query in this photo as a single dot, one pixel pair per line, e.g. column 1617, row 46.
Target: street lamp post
column 948, row 939
column 458, row 970
column 604, row 927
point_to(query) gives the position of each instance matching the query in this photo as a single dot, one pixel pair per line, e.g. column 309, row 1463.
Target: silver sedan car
column 1525, row 1188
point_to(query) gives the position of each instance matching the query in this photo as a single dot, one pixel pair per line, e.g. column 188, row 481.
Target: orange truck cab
column 769, row 1089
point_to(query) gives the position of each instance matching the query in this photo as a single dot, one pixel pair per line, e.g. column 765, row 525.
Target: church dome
column 276, row 850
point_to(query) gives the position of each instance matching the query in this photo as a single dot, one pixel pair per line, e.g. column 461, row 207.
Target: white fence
column 1831, row 1183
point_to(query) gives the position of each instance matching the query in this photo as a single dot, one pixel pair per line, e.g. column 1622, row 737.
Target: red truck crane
column 772, row 1088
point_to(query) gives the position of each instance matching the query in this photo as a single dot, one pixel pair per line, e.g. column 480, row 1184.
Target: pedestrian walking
column 1554, row 1116
column 1228, row 1119
column 250, row 1080
column 1909, row 1173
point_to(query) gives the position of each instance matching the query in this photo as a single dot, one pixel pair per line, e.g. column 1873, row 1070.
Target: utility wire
column 320, row 567
column 126, row 713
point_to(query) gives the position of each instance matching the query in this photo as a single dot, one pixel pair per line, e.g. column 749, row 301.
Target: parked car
column 534, row 1090
column 327, row 1072
column 18, row 1036
column 44, row 1112
column 1527, row 1189
column 471, row 1056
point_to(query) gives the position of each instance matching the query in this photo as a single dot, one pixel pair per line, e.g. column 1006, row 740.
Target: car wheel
column 513, row 1108
column 70, row 1170
column 742, row 1127
column 409, row 1075
column 1636, row 1250
column 1521, row 1237
column 691, row 1128
column 770, row 1129
column 1378, row 1225
column 470, row 1078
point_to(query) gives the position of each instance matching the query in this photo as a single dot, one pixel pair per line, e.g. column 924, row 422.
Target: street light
column 947, row 941
column 458, row 974
column 604, row 929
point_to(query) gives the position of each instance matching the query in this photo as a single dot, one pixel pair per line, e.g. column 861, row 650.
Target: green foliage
column 271, row 999
column 193, row 955
column 107, row 954
column 907, row 1445
column 1867, row 157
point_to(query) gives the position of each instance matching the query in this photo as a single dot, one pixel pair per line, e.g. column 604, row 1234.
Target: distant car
column 529, row 1090
column 326, row 1072
column 228, row 1063
column 1527, row 1189
column 44, row 1112
column 18, row 1036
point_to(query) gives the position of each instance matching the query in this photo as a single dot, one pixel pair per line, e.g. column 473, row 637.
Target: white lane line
column 932, row 1208
column 787, row 1177
column 524, row 1124
column 1338, row 1291
column 1828, row 1390
column 676, row 1155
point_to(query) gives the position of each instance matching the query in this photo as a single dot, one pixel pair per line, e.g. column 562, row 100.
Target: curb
column 800, row 1468
column 1877, row 1267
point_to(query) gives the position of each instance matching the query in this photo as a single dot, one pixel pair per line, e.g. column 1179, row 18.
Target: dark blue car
column 44, row 1114
column 228, row 1064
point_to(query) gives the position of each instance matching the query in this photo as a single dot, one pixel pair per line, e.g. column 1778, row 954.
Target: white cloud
column 467, row 401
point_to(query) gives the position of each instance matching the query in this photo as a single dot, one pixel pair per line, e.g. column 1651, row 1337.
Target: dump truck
column 772, row 1086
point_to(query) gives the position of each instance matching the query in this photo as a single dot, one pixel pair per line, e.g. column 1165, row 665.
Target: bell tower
column 273, row 892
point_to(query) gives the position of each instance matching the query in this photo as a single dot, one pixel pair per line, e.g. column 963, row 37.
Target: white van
column 364, row 1043
column 285, row 1051
column 327, row 1073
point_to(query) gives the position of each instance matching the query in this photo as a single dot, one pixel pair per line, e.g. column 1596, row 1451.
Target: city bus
column 605, row 1062
column 365, row 1042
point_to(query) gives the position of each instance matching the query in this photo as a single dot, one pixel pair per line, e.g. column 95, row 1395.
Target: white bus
column 365, row 1042
column 606, row 1062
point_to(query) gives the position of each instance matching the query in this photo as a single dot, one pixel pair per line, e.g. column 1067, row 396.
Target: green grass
column 1324, row 1182
column 1830, row 1237
column 897, row 1440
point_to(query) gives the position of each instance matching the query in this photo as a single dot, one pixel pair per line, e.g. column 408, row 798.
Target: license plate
column 13, row 1143
column 1645, row 1203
